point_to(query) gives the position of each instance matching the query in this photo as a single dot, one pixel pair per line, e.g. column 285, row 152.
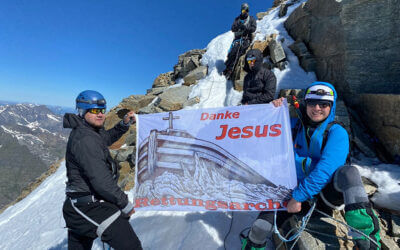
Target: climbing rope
column 304, row 222
column 348, row 226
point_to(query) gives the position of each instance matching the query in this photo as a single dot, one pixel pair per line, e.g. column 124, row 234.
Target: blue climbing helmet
column 89, row 99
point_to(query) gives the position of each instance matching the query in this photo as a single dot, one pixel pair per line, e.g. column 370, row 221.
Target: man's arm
column 237, row 25
column 112, row 135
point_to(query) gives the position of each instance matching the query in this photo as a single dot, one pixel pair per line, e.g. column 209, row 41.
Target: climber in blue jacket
column 321, row 148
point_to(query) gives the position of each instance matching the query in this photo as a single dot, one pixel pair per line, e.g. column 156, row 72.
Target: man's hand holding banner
column 230, row 158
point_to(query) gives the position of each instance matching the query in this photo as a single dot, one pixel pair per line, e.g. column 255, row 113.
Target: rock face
column 382, row 113
column 188, row 62
column 355, row 43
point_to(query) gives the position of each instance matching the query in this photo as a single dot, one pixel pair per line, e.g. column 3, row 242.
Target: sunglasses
column 322, row 105
column 97, row 111
column 251, row 60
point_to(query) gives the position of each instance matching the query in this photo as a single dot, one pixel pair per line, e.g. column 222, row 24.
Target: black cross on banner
column 170, row 117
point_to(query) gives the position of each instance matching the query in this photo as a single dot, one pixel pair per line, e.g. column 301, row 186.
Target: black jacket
column 259, row 84
column 90, row 168
column 244, row 26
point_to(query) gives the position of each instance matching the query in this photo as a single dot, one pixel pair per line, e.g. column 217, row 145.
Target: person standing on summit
column 243, row 27
column 259, row 84
column 95, row 206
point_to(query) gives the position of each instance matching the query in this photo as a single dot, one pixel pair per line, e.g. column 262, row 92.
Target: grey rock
column 187, row 62
column 342, row 115
column 283, row 9
column 173, row 98
column 131, row 138
column 124, row 153
column 388, row 244
column 113, row 153
column 151, row 109
column 195, row 75
column 395, row 225
column 156, row 91
column 381, row 113
column 276, row 51
column 307, row 60
column 191, row 102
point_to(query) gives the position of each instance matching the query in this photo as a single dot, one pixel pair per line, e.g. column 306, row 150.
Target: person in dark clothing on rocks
column 95, row 206
column 259, row 84
column 243, row 27
column 321, row 147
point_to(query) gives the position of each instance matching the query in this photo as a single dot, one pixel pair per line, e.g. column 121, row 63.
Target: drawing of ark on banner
column 172, row 149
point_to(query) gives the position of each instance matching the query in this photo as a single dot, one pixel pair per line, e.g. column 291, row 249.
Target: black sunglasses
column 321, row 104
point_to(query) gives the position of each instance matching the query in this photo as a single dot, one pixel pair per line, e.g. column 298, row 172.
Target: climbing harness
column 100, row 227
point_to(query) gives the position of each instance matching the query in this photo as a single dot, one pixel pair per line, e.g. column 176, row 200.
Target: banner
column 229, row 158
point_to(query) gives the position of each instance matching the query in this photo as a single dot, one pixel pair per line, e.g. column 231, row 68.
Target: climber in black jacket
column 243, row 27
column 95, row 205
column 259, row 84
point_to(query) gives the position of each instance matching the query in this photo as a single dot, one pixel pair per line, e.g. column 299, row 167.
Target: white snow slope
column 36, row 222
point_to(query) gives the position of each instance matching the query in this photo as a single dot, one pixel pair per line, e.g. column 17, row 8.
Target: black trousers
column 81, row 232
column 237, row 50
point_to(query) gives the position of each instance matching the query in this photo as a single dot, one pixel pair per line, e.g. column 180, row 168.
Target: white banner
column 230, row 158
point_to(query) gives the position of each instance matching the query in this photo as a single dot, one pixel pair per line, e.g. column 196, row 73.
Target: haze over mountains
column 31, row 139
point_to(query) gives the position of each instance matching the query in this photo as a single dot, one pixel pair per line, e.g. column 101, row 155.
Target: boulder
column 263, row 44
column 124, row 153
column 283, row 9
column 191, row 102
column 131, row 103
column 173, row 98
column 150, row 109
column 195, row 75
column 276, row 51
column 164, row 80
column 395, row 225
column 239, row 74
column 188, row 62
column 261, row 15
column 156, row 91
column 381, row 113
column 126, row 176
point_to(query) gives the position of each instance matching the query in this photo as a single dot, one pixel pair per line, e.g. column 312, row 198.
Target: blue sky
column 52, row 50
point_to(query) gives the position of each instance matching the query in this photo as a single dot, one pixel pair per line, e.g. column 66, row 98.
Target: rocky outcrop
column 355, row 43
column 193, row 76
column 382, row 114
column 306, row 59
column 188, row 62
column 173, row 98
column 164, row 80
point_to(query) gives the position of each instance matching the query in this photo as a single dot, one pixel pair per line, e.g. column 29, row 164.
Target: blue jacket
column 314, row 168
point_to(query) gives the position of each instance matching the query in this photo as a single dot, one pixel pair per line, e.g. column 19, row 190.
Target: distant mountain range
column 59, row 110
column 31, row 139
